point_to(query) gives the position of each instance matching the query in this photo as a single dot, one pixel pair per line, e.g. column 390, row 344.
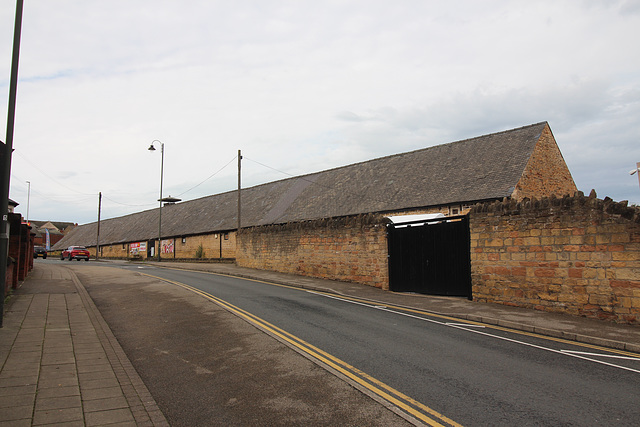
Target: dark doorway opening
column 431, row 257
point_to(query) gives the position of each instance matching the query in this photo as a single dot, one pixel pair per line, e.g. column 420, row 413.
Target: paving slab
column 60, row 363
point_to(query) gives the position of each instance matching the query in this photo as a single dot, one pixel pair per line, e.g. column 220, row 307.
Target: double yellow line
column 412, row 407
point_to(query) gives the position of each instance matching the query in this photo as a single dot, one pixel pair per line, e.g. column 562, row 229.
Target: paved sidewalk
column 60, row 363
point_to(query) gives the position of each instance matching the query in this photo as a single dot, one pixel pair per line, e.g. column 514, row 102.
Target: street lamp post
column 636, row 170
column 152, row 148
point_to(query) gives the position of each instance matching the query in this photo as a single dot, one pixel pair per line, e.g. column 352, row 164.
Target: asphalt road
column 207, row 367
column 433, row 368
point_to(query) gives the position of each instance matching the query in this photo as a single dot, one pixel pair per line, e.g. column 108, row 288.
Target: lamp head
column 633, row 171
column 151, row 147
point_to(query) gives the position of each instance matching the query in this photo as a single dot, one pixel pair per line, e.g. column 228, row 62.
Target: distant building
column 56, row 231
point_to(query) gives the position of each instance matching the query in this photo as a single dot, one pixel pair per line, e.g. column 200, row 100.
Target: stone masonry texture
column 352, row 249
column 214, row 246
column 578, row 255
column 546, row 173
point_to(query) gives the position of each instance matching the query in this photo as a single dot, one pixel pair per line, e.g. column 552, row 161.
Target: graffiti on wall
column 166, row 246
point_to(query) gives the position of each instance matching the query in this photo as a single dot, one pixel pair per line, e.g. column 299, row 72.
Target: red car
column 75, row 252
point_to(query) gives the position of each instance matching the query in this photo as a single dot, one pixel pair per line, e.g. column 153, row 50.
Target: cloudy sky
column 302, row 86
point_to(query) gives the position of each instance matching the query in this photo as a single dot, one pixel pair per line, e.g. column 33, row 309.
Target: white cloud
column 304, row 86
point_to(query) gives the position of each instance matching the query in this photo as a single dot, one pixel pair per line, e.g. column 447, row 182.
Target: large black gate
column 431, row 257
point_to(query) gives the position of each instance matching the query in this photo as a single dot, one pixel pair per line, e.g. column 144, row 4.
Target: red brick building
column 56, row 231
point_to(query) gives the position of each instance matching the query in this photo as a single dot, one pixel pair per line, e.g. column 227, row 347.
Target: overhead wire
column 209, row 177
column 313, row 182
column 66, row 199
column 108, row 198
column 184, row 192
column 127, row 204
column 51, row 178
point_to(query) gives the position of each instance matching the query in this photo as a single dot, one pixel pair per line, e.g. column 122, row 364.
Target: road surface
column 431, row 368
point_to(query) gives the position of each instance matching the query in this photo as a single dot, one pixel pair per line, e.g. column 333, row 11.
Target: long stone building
column 450, row 178
column 513, row 229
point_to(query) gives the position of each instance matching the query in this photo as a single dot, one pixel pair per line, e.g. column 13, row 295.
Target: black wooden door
column 431, row 257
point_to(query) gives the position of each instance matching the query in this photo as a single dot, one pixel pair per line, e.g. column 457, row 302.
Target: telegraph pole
column 28, row 200
column 5, row 177
column 98, row 235
column 239, row 188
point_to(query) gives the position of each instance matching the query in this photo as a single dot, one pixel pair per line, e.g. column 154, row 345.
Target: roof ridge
column 328, row 172
column 400, row 154
column 354, row 164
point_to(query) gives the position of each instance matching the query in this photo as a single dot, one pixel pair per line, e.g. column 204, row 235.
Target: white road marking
column 612, row 356
column 465, row 327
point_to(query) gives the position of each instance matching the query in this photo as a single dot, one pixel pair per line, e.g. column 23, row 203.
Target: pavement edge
column 143, row 406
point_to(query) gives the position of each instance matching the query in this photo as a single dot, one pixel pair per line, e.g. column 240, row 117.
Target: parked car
column 39, row 251
column 75, row 252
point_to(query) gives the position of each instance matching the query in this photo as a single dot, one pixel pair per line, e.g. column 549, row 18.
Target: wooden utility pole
column 98, row 235
column 239, row 190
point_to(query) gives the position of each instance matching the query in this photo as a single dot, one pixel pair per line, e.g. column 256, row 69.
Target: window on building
column 226, row 236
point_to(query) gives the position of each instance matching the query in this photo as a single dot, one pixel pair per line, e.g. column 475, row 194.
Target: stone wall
column 577, row 255
column 114, row 251
column 546, row 173
column 117, row 250
column 214, row 246
column 352, row 249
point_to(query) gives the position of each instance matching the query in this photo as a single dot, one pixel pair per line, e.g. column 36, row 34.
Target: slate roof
column 61, row 226
column 482, row 168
